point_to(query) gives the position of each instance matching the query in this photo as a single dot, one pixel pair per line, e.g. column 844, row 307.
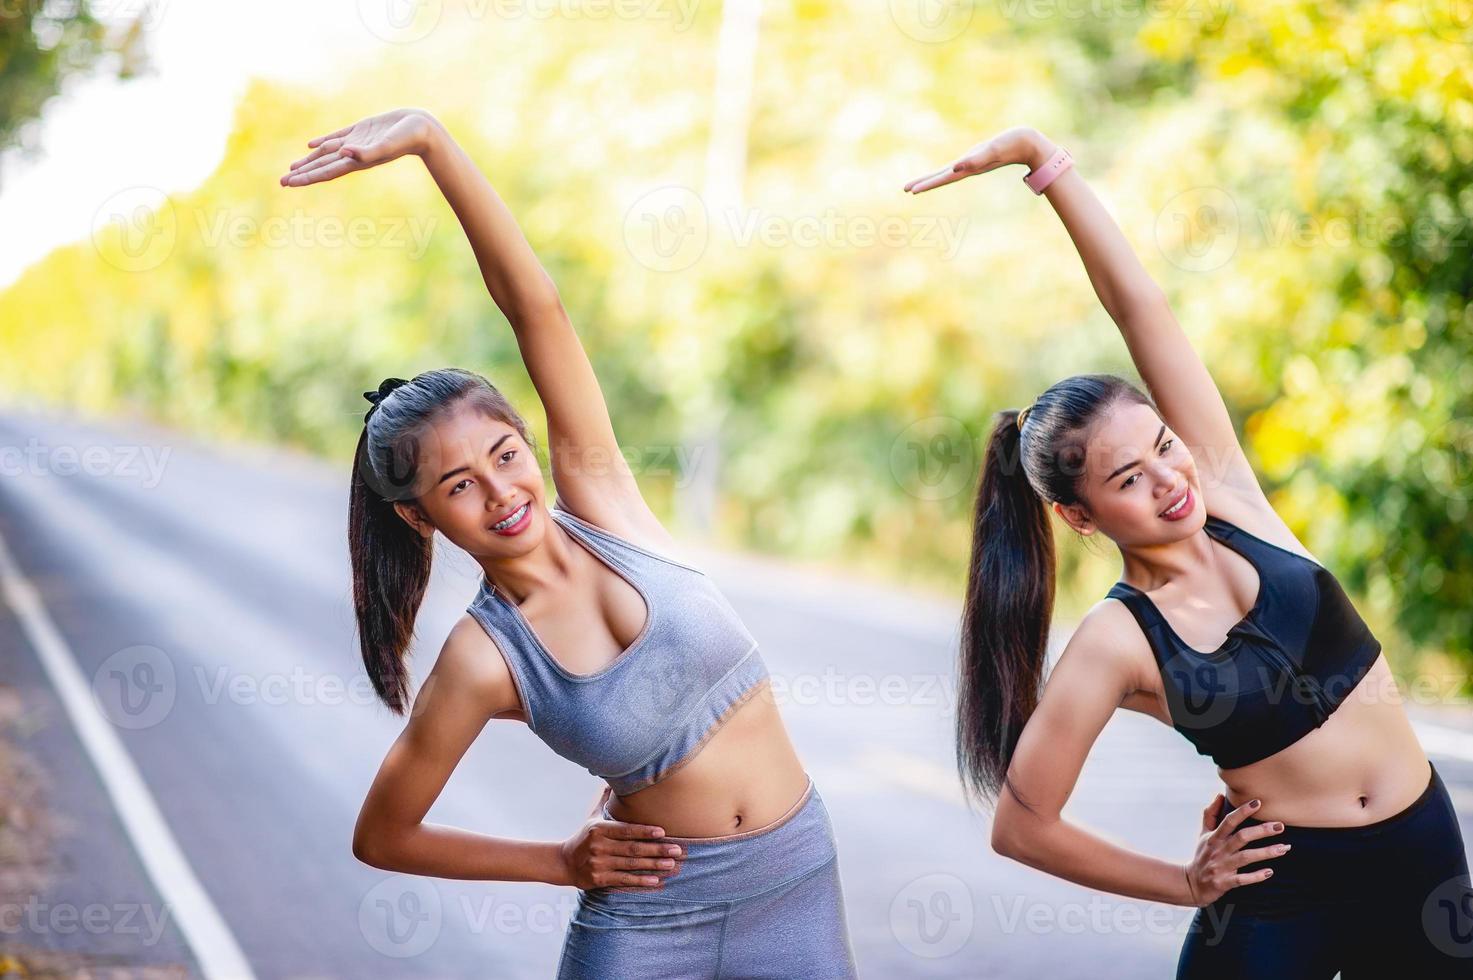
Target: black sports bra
column 1283, row 668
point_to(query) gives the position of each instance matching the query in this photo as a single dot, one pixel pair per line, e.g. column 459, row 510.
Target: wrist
column 560, row 865
column 1186, row 873
column 1040, row 150
column 434, row 137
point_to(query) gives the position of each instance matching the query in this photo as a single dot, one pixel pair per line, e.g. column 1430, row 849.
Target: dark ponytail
column 390, row 559
column 1010, row 583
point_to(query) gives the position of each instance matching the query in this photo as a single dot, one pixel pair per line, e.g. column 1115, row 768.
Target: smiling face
column 1136, row 469
column 479, row 484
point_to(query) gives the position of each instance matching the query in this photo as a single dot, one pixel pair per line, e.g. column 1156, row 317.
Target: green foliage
column 1360, row 329
column 42, row 45
column 849, row 377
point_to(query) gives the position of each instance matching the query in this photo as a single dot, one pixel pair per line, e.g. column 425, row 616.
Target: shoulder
column 633, row 523
column 1108, row 647
column 1252, row 512
column 471, row 665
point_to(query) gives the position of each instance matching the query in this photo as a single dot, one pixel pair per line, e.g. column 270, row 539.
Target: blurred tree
column 43, row 44
column 1356, row 227
column 852, row 341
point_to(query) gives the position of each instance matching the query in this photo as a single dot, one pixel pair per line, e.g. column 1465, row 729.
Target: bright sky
column 168, row 130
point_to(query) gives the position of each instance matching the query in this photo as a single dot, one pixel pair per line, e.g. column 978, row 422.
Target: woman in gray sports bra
column 1222, row 626
column 622, row 658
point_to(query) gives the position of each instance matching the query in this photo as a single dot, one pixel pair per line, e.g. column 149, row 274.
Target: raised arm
column 590, row 473
column 1176, row 377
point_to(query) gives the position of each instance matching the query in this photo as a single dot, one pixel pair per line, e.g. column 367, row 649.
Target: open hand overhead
column 367, row 143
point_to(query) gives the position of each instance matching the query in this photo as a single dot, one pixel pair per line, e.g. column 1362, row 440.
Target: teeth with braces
column 516, row 515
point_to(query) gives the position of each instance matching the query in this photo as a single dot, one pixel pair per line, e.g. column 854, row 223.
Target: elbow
column 373, row 847
column 1005, row 840
column 1015, row 842
column 365, row 851
column 537, row 305
column 1137, row 302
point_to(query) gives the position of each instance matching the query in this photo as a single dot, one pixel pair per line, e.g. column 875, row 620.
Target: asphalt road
column 202, row 592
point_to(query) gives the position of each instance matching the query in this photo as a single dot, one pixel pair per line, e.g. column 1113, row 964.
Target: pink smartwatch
column 1038, row 179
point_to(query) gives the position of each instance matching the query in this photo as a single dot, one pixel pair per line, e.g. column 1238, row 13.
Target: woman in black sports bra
column 1335, row 846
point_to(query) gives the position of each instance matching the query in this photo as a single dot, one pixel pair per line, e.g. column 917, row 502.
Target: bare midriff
column 1362, row 765
column 744, row 777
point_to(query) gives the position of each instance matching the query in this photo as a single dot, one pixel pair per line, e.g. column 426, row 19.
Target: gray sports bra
column 637, row 720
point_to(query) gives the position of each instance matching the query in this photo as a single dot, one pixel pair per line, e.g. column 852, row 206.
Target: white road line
column 214, row 946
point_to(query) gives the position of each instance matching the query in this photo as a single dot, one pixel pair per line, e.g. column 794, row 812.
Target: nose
column 499, row 491
column 1169, row 482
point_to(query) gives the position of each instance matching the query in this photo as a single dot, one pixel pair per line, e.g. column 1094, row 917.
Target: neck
column 546, row 565
column 1157, row 564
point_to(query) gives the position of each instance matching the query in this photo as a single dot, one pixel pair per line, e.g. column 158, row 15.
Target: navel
column 1363, row 800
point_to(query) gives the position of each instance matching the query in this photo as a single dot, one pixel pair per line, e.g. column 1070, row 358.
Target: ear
column 414, row 517
column 1076, row 517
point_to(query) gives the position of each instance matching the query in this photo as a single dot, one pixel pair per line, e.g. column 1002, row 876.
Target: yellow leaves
column 1279, row 441
column 1301, row 377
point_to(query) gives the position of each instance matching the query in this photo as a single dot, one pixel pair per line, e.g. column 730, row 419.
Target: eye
column 456, row 489
column 506, row 457
column 1130, row 481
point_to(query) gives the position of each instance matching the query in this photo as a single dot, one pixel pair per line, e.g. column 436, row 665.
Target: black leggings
column 1391, row 899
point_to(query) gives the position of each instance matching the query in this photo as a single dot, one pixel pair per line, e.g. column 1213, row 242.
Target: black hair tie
column 384, row 388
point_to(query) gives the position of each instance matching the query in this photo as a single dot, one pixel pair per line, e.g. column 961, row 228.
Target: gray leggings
column 764, row 903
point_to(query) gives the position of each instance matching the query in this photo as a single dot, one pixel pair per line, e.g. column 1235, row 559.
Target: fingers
column 942, row 177
column 648, row 850
column 1235, row 817
column 1251, row 855
column 332, row 156
column 630, row 831
column 1252, row 878
column 1209, row 814
column 322, row 149
column 332, row 135
column 978, row 160
column 1254, row 832
column 330, row 166
column 933, row 174
column 647, row 864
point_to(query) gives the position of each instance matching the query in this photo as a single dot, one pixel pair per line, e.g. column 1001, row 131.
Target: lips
column 1182, row 503
column 510, row 518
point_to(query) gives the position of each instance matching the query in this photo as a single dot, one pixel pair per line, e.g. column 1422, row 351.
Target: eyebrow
column 462, row 469
column 1159, row 433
